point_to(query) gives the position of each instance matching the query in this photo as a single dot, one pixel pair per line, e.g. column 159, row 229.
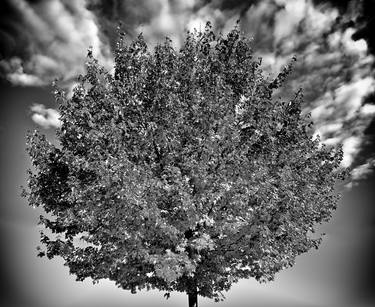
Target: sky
column 42, row 40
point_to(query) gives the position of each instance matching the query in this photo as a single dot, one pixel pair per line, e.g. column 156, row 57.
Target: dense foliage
column 181, row 171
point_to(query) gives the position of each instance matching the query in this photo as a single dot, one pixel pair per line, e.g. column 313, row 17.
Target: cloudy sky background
column 44, row 40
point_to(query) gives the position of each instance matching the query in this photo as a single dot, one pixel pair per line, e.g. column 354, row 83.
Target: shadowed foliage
column 181, row 171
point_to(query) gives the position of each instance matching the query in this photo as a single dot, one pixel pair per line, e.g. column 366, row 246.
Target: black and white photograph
column 190, row 153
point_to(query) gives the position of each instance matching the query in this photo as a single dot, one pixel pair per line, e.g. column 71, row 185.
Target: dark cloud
column 238, row 5
column 167, row 17
column 48, row 39
column 367, row 24
column 342, row 5
column 333, row 69
column 360, row 14
column 130, row 13
column 42, row 40
column 13, row 34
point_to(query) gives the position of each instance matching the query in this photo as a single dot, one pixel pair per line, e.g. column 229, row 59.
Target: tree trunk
column 193, row 299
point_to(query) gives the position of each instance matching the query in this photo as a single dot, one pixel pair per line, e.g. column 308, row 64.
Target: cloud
column 45, row 117
column 16, row 74
column 368, row 109
column 363, row 170
column 351, row 146
column 288, row 19
column 174, row 18
column 159, row 18
column 334, row 70
column 56, row 35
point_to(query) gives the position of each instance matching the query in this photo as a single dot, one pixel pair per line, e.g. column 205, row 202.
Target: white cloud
column 358, row 46
column 175, row 18
column 20, row 78
column 351, row 146
column 329, row 128
column 16, row 73
column 361, row 172
column 323, row 109
column 161, row 25
column 350, row 96
column 332, row 141
column 45, row 117
column 368, row 109
column 288, row 19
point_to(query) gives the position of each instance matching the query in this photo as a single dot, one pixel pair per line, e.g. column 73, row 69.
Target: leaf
column 180, row 170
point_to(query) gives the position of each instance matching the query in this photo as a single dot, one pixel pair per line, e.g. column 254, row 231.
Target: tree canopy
column 181, row 171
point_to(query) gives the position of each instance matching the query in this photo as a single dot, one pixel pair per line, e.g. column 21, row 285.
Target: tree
column 181, row 171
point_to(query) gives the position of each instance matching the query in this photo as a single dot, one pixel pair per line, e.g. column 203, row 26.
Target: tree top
column 181, row 171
